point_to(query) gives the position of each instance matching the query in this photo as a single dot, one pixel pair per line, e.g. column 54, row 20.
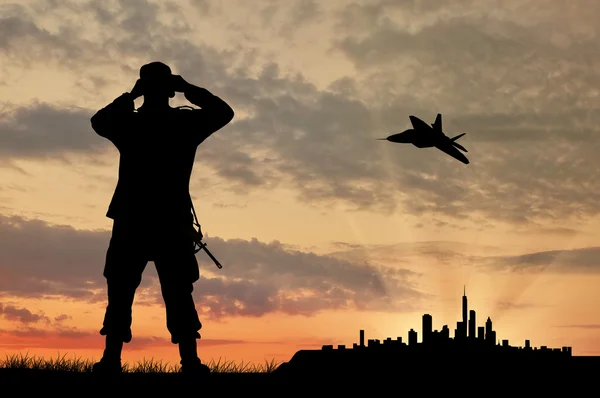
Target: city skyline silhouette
column 466, row 335
column 470, row 343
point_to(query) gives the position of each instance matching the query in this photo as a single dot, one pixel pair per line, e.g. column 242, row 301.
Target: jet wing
column 449, row 149
column 418, row 124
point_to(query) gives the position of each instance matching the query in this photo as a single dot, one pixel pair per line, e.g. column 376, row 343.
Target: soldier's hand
column 197, row 234
column 138, row 89
column 179, row 84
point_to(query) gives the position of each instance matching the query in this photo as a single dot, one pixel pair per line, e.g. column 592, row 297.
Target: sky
column 321, row 229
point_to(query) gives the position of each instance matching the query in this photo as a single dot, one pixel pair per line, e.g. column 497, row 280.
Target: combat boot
column 107, row 368
column 193, row 367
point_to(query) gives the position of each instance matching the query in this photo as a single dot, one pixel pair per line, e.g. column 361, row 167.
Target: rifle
column 198, row 244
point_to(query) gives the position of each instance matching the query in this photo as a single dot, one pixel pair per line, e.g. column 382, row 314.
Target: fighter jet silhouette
column 424, row 136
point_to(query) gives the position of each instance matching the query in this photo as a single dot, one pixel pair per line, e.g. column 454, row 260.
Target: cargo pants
column 171, row 248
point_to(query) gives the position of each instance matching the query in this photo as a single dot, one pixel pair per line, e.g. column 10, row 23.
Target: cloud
column 506, row 305
column 38, row 259
column 72, row 339
column 24, row 39
column 203, row 6
column 580, row 326
column 521, row 84
column 416, row 255
column 456, row 59
column 60, row 337
column 560, row 231
column 440, row 256
column 314, row 163
column 62, row 317
column 582, row 260
column 22, row 315
column 42, row 130
column 66, row 338
column 54, row 261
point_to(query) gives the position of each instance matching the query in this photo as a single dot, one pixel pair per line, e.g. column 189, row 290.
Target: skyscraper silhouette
column 472, row 325
column 489, row 335
column 464, row 307
column 445, row 332
column 412, row 337
column 480, row 333
column 427, row 327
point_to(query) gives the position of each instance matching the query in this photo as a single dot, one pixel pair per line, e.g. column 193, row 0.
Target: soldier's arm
column 214, row 115
column 109, row 121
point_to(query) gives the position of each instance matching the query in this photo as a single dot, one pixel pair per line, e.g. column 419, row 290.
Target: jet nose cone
column 401, row 138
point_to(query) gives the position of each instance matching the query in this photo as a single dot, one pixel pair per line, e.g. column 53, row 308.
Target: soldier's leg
column 178, row 270
column 123, row 273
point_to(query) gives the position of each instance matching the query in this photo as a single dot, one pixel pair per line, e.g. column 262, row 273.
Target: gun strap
column 196, row 223
column 197, row 246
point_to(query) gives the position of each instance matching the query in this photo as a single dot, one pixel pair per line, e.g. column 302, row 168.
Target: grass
column 62, row 363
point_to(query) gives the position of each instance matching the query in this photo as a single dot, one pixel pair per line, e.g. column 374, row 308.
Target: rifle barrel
column 217, row 263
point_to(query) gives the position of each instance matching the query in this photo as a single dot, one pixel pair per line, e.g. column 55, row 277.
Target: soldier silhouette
column 152, row 208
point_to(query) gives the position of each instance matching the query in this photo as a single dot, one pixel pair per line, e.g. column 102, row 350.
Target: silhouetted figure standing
column 151, row 206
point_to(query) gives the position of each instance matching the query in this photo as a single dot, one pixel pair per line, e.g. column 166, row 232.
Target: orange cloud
column 71, row 338
column 261, row 277
column 22, row 315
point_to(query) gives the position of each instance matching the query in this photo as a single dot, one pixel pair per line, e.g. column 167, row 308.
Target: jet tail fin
column 437, row 125
column 462, row 148
column 457, row 137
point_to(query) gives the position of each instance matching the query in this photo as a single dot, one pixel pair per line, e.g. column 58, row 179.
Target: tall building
column 464, row 306
column 481, row 333
column 362, row 338
column 472, row 325
column 445, row 333
column 427, row 327
column 461, row 330
column 412, row 337
column 489, row 335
